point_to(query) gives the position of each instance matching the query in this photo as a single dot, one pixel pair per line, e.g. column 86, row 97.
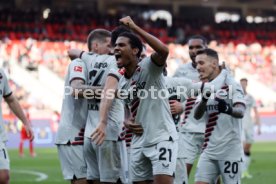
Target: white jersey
column 223, row 132
column 5, row 92
column 247, row 118
column 172, row 89
column 187, row 70
column 74, row 111
column 99, row 67
column 152, row 112
column 189, row 123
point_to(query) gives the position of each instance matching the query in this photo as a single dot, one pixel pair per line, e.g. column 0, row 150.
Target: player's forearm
column 108, row 97
column 160, row 48
column 200, row 110
column 16, row 109
column 257, row 117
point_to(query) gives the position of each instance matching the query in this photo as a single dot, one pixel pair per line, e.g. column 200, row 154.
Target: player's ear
column 95, row 46
column 135, row 51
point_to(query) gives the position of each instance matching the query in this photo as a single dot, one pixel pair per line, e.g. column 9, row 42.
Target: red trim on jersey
column 191, row 99
column 191, row 103
column 213, row 114
column 188, row 108
column 211, row 124
column 209, row 129
column 225, row 87
column 214, row 118
column 187, row 112
column 81, row 134
column 77, row 143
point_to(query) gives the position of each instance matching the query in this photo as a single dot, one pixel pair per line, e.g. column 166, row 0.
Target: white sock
column 247, row 160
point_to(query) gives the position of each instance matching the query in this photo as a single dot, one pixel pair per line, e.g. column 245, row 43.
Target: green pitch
column 29, row 170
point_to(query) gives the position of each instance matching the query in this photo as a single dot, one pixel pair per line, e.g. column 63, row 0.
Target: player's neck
column 214, row 74
column 130, row 69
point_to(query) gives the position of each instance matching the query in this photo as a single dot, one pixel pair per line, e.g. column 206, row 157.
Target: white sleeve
column 115, row 73
column 153, row 69
column 238, row 95
column 77, row 70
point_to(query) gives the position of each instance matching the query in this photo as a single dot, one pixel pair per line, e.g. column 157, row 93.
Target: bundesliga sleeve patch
column 77, row 68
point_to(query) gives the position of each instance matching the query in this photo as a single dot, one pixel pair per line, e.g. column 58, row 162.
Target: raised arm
column 161, row 53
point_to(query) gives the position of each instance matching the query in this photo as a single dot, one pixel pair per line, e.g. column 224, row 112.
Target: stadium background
column 35, row 35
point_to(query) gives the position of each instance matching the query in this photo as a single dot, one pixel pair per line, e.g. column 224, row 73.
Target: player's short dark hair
column 200, row 37
column 134, row 41
column 244, row 79
column 209, row 52
column 97, row 34
column 116, row 32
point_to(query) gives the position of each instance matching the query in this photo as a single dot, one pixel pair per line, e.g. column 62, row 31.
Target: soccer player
column 153, row 154
column 70, row 135
column 13, row 104
column 103, row 162
column 248, row 127
column 222, row 111
column 191, row 134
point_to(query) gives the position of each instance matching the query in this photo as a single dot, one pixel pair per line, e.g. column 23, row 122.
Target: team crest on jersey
column 77, row 68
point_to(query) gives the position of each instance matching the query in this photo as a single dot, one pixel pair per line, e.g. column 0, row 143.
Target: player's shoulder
column 184, row 70
column 77, row 60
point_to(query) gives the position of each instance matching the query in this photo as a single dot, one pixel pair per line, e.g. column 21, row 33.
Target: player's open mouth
column 117, row 56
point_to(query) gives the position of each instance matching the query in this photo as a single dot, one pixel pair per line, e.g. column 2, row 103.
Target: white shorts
column 153, row 160
column 124, row 157
column 4, row 157
column 190, row 146
column 103, row 162
column 72, row 161
column 248, row 135
column 181, row 176
column 208, row 170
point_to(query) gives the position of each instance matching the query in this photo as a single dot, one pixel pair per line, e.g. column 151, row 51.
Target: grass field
column 29, row 170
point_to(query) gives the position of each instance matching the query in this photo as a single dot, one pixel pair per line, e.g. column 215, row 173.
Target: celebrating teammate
column 222, row 148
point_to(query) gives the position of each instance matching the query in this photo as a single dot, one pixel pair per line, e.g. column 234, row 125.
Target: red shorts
column 24, row 133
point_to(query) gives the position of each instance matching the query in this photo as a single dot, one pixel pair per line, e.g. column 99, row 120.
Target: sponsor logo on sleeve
column 77, row 68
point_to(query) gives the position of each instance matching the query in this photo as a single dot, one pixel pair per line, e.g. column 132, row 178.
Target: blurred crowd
column 31, row 41
column 75, row 25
